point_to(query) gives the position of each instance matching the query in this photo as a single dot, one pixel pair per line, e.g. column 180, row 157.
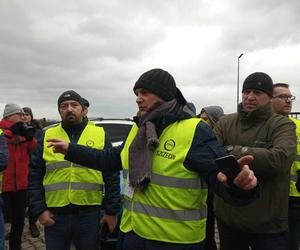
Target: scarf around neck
column 145, row 142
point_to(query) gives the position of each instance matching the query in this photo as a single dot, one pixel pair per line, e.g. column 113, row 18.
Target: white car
column 117, row 129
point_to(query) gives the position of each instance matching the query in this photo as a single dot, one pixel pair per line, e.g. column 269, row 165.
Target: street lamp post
column 238, row 81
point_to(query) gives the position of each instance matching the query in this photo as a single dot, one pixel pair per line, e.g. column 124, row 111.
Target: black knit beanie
column 86, row 103
column 28, row 111
column 260, row 81
column 70, row 95
column 161, row 83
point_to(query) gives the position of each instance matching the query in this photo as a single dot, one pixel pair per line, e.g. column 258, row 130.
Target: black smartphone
column 229, row 166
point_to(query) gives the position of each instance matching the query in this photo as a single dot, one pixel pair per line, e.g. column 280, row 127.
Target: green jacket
column 271, row 139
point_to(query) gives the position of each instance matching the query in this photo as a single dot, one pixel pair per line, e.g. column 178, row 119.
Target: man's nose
column 251, row 95
column 138, row 99
column 69, row 108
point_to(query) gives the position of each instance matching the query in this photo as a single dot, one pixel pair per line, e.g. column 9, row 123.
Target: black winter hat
column 260, row 81
column 161, row 83
column 28, row 111
column 70, row 95
column 86, row 103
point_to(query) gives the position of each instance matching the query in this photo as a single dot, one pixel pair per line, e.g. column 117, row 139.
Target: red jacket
column 15, row 177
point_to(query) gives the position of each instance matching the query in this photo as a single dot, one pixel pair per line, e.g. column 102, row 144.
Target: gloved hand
column 298, row 181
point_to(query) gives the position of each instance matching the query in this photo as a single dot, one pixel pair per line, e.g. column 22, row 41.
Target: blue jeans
column 294, row 227
column 131, row 241
column 81, row 228
column 234, row 239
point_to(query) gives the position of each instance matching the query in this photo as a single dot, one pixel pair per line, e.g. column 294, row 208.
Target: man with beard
column 67, row 197
column 167, row 157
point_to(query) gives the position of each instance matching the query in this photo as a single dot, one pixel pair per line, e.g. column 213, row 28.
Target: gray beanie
column 11, row 109
column 213, row 112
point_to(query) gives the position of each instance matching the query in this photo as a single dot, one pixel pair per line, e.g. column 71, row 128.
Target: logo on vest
column 169, row 145
column 90, row 143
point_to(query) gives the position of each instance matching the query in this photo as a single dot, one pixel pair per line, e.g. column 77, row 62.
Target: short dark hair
column 281, row 84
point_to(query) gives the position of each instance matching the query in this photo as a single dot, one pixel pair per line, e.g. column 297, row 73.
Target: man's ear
column 84, row 111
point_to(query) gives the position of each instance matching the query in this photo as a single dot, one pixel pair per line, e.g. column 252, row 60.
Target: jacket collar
column 181, row 112
column 261, row 114
column 75, row 127
column 5, row 124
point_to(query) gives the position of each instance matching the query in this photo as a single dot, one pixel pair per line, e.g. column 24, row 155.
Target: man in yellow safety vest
column 167, row 157
column 282, row 104
column 67, row 197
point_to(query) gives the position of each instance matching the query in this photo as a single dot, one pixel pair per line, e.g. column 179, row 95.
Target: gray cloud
column 99, row 48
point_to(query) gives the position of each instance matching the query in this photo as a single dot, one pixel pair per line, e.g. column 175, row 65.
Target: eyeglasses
column 285, row 97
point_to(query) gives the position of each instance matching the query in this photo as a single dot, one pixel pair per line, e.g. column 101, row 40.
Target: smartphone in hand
column 229, row 166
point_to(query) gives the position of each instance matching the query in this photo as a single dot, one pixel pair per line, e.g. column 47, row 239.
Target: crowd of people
column 68, row 176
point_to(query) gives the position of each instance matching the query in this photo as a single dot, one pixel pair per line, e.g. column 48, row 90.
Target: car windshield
column 116, row 132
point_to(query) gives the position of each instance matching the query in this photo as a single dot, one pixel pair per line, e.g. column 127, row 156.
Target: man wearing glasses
column 282, row 104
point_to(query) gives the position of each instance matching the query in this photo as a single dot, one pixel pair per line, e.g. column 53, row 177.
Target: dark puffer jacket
column 271, row 139
column 37, row 201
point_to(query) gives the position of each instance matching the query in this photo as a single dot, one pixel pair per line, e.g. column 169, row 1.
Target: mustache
column 70, row 113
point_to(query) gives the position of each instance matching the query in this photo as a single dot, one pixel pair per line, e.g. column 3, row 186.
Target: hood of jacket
column 214, row 113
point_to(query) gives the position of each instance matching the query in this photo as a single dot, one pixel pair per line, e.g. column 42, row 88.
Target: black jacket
column 37, row 203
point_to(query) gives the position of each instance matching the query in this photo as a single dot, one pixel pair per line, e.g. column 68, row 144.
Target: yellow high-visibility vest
column 296, row 163
column 173, row 207
column 66, row 182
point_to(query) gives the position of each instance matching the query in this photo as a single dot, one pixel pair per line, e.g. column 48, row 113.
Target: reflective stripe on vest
column 173, row 207
column 73, row 186
column 178, row 215
column 175, row 182
column 296, row 164
column 66, row 182
column 60, row 165
column 297, row 158
column 293, row 178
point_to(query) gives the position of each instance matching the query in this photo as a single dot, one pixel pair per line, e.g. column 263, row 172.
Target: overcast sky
column 100, row 48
